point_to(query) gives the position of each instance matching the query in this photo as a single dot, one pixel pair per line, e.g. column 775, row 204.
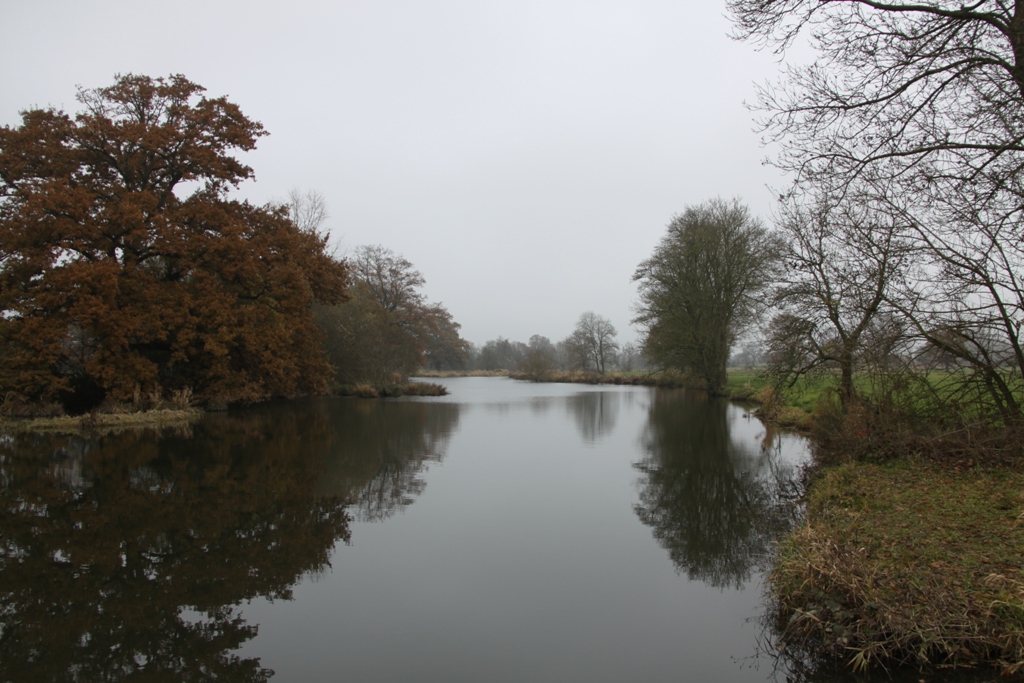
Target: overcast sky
column 525, row 156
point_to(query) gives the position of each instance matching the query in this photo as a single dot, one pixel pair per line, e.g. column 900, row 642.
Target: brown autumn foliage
column 125, row 267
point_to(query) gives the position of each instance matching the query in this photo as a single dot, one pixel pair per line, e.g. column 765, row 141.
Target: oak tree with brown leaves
column 126, row 269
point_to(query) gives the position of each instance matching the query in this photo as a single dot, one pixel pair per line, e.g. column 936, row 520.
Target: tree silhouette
column 702, row 285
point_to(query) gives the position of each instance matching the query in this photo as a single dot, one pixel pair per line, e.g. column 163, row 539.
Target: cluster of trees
column 387, row 329
column 905, row 140
column 126, row 270
column 128, row 274
column 591, row 346
column 899, row 247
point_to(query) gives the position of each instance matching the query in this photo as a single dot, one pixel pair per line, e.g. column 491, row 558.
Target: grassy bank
column 461, row 373
column 910, row 562
column 101, row 422
column 640, row 378
column 392, row 391
column 794, row 410
column 912, row 550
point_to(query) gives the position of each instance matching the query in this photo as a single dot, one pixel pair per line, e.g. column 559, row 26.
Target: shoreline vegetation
column 128, row 416
column 910, row 551
column 396, row 390
column 744, row 386
column 906, row 563
column 97, row 422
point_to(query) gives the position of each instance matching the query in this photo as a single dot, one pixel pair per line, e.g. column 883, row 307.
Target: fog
column 525, row 156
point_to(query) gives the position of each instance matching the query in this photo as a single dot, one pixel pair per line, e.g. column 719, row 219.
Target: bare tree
column 967, row 302
column 307, row 210
column 842, row 265
column 630, row 358
column 391, row 280
column 925, row 94
column 919, row 104
column 704, row 283
column 593, row 342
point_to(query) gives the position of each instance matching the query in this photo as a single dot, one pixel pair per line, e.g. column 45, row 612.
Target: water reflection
column 382, row 450
column 125, row 556
column 594, row 413
column 713, row 502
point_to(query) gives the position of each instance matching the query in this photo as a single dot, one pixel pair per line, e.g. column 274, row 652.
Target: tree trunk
column 846, row 391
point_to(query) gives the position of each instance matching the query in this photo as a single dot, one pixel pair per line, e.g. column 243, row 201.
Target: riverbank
column 101, row 422
column 915, row 561
column 461, row 373
column 392, row 391
column 794, row 411
column 911, row 562
column 127, row 418
column 911, row 553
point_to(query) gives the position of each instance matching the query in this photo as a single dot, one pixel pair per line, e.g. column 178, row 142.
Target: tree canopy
column 388, row 329
column 592, row 343
column 701, row 285
column 126, row 268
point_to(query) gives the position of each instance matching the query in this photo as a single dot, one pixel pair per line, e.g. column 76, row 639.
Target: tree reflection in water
column 714, row 503
column 595, row 413
column 382, row 450
column 125, row 556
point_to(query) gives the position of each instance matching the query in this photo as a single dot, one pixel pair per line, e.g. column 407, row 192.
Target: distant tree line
column 592, row 346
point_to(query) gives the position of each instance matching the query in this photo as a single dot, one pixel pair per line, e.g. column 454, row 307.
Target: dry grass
column 462, row 373
column 362, row 391
column 421, row 389
column 101, row 422
column 907, row 563
column 650, row 379
column 393, row 391
column 774, row 410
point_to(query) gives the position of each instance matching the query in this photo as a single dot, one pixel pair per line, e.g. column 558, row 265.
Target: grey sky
column 525, row 156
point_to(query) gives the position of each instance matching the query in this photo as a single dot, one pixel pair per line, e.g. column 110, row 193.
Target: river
column 507, row 532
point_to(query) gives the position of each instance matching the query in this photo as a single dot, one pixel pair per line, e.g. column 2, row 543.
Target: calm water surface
column 507, row 532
